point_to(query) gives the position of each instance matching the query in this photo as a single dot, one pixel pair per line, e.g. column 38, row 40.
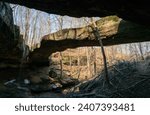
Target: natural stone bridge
column 113, row 30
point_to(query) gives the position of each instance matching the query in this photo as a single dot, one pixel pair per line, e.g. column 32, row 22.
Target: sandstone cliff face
column 113, row 31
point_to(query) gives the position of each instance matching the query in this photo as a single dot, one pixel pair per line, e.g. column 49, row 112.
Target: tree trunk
column 61, row 65
column 98, row 37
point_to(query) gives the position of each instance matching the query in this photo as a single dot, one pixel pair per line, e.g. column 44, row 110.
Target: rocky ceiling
column 132, row 10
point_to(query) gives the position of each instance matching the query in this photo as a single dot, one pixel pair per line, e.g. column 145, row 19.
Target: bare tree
column 97, row 36
column 140, row 50
column 60, row 24
column 27, row 24
column 94, row 60
column 88, row 62
column 34, row 30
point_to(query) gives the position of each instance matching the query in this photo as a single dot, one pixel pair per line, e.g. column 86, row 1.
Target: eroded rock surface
column 112, row 29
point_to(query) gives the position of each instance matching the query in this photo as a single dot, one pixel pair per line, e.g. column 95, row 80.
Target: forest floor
column 128, row 80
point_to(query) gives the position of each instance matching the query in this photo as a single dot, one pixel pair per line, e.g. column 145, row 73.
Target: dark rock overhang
column 132, row 10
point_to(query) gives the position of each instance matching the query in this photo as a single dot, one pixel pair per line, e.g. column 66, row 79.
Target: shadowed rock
column 9, row 34
column 133, row 10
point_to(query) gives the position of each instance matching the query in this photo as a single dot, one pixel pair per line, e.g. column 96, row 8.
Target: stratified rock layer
column 112, row 29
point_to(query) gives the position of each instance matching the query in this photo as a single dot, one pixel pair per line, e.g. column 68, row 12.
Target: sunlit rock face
column 113, row 31
column 136, row 11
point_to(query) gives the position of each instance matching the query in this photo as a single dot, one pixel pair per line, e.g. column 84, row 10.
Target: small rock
column 26, row 81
